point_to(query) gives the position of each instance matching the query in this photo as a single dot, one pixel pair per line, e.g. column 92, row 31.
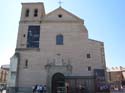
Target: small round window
column 60, row 15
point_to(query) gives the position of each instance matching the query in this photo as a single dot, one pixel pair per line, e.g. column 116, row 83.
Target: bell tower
column 32, row 11
column 29, row 25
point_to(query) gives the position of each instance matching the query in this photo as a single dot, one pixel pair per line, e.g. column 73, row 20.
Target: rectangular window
column 88, row 56
column 59, row 40
column 27, row 13
column 35, row 12
column 33, row 37
column 26, row 64
column 89, row 68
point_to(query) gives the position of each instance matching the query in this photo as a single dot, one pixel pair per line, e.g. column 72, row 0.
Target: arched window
column 26, row 64
column 27, row 13
column 59, row 40
column 35, row 12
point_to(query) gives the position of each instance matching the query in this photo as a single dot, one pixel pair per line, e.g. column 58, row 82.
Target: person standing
column 34, row 88
column 40, row 89
column 1, row 89
column 44, row 89
column 82, row 88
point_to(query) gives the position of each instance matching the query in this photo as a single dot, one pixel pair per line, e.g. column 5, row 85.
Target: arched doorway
column 58, row 83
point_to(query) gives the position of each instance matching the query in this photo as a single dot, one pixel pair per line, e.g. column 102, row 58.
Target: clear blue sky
column 104, row 19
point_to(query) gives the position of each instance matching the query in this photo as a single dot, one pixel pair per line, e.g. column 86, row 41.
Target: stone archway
column 58, row 83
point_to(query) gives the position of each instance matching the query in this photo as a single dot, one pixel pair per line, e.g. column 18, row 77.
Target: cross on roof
column 60, row 3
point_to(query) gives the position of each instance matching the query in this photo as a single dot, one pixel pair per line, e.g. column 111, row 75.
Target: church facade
column 54, row 50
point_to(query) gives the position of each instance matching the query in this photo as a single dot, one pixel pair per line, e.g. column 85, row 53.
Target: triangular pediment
column 62, row 15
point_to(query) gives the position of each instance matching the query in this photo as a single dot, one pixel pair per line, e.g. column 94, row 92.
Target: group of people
column 39, row 89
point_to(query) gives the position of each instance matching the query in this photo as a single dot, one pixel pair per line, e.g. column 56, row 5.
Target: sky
column 104, row 19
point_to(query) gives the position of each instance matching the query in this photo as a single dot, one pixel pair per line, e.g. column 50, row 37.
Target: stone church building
column 53, row 49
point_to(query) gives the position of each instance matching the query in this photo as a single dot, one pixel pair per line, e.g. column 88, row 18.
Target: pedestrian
column 82, row 89
column 44, row 89
column 40, row 88
column 34, row 88
column 1, row 89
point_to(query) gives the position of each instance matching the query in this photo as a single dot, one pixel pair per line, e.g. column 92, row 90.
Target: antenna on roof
column 60, row 3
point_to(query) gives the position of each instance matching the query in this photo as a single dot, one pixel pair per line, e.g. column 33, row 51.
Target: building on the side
column 116, row 77
column 5, row 67
column 54, row 50
column 4, row 75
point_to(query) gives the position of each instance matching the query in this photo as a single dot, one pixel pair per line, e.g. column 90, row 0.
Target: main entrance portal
column 58, row 83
